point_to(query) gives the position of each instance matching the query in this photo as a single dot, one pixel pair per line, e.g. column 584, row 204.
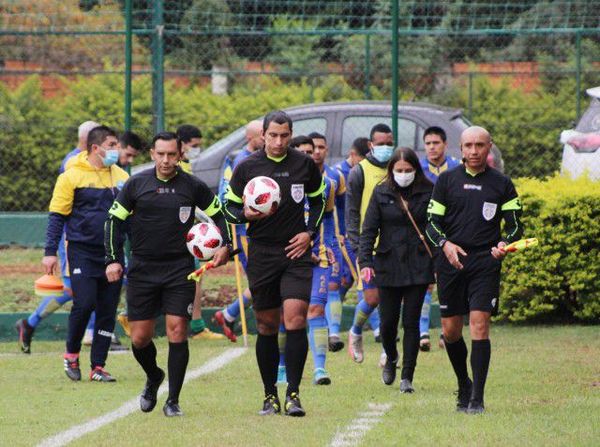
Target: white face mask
column 404, row 179
column 193, row 152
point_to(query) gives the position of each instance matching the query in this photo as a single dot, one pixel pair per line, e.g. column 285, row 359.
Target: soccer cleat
column 425, row 343
column 335, row 344
column 406, row 386
column 320, row 377
column 172, row 409
column 388, row 375
column 207, row 334
column 226, row 326
column 271, row 406
column 281, row 376
column 99, row 374
column 463, row 396
column 355, row 347
column 88, row 338
column 25, row 335
column 475, row 407
column 71, row 362
column 124, row 322
column 116, row 345
column 378, row 338
column 382, row 359
column 293, row 407
column 148, row 396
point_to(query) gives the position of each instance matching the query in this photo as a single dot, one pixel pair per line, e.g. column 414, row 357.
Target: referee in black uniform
column 465, row 213
column 158, row 204
column 279, row 260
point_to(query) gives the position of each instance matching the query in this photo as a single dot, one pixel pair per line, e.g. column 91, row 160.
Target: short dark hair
column 132, row 139
column 361, row 145
column 317, row 136
column 296, row 142
column 279, row 117
column 186, row 132
column 409, row 156
column 98, row 134
column 435, row 130
column 166, row 136
column 381, row 128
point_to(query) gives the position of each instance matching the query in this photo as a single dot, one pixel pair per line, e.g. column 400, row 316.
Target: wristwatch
column 442, row 242
column 312, row 234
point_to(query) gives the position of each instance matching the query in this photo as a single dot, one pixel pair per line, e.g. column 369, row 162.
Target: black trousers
column 410, row 300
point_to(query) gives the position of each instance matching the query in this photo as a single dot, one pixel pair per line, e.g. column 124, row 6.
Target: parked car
column 581, row 151
column 341, row 123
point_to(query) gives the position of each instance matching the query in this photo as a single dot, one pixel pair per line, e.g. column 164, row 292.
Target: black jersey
column 297, row 176
column 467, row 209
column 161, row 212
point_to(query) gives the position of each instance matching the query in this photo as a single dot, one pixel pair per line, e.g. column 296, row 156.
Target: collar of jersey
column 473, row 174
column 165, row 180
column 440, row 165
column 276, row 159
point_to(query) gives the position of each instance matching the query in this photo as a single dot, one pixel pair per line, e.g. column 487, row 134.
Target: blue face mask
column 383, row 153
column 111, row 157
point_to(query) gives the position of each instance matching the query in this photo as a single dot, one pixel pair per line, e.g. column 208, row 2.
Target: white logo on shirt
column 471, row 186
column 184, row 213
column 77, row 271
column 489, row 210
column 297, row 192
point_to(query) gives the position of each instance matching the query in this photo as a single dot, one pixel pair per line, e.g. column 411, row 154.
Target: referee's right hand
column 452, row 251
column 114, row 271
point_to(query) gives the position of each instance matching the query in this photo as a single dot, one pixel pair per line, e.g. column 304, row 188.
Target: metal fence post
column 578, row 72
column 395, row 70
column 158, row 75
column 367, row 66
column 470, row 104
column 128, row 50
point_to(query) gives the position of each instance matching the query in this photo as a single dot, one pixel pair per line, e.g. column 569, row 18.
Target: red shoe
column 226, row 326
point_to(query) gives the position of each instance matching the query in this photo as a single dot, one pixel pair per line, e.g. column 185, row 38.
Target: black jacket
column 400, row 258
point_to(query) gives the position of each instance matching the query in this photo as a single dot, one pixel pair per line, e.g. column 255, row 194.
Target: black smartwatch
column 312, row 234
column 442, row 242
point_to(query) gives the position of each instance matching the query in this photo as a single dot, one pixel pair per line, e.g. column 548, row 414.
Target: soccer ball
column 262, row 194
column 203, row 240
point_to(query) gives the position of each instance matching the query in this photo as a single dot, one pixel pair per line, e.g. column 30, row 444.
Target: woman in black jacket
column 401, row 265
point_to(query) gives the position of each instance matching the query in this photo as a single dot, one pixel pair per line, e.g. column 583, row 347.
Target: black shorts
column 273, row 277
column 475, row 287
column 159, row 287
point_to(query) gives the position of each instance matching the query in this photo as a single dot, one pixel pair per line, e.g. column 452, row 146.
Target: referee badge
column 184, row 213
column 489, row 210
column 297, row 192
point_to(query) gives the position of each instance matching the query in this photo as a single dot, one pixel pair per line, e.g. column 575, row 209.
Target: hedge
column 558, row 281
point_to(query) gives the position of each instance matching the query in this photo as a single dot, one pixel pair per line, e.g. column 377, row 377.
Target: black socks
column 296, row 349
column 146, row 357
column 457, row 353
column 480, row 362
column 179, row 354
column 267, row 357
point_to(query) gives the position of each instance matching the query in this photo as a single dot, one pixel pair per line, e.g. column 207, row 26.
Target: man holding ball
column 279, row 258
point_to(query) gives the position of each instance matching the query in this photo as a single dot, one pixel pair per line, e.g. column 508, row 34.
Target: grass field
column 543, row 389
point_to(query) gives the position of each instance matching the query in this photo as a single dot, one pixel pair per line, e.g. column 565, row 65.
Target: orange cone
column 48, row 285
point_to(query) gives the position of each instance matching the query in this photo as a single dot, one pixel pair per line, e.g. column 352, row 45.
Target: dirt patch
column 21, row 268
column 220, row 297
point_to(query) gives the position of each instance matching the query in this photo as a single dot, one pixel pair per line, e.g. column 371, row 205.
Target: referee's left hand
column 221, row 257
column 298, row 245
column 498, row 252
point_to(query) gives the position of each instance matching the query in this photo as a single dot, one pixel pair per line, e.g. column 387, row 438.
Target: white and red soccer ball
column 203, row 240
column 262, row 194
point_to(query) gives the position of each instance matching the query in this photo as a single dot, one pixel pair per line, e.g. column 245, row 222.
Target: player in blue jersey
column 50, row 304
column 254, row 141
column 435, row 162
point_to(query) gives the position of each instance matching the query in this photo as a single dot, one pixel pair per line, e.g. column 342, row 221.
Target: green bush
column 559, row 280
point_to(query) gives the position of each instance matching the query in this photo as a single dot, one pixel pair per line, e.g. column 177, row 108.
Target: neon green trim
column 213, row 208
column 277, row 159
column 510, row 236
column 230, row 196
column 436, row 208
column 514, row 204
column 318, row 191
column 119, row 211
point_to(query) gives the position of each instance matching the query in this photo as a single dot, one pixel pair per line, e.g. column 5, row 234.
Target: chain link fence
column 519, row 68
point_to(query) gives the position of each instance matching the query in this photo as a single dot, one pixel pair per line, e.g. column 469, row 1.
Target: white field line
column 133, row 405
column 358, row 427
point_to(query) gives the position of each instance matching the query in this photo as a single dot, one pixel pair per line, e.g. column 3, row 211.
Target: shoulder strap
column 405, row 206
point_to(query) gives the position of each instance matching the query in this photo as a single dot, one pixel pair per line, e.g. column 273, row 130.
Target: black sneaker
column 425, row 343
column 25, row 335
column 99, row 374
column 293, row 407
column 172, row 409
column 406, row 386
column 72, row 367
column 148, row 397
column 463, row 396
column 335, row 343
column 388, row 374
column 475, row 407
column 271, row 405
